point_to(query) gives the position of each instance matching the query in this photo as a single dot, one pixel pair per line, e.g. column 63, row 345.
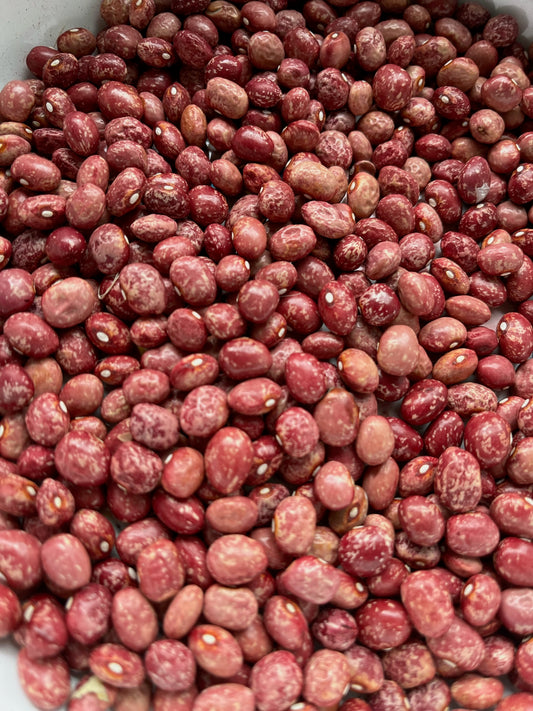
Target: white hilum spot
column 209, row 638
column 115, row 668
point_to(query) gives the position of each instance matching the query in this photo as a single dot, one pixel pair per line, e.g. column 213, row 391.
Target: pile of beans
column 266, row 382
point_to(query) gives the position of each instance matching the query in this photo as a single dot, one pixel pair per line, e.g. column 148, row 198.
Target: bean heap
column 265, row 359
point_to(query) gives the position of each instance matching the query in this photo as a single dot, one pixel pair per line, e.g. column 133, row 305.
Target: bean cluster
column 266, row 384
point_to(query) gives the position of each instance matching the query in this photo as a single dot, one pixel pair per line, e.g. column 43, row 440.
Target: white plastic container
column 26, row 23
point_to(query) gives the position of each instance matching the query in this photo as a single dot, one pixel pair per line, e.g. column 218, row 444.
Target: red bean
column 46, row 682
column 116, row 665
column 215, row 650
column 228, row 458
column 165, row 654
column 20, row 563
column 65, row 562
column 383, row 623
column 235, row 559
column 422, row 520
column 454, row 496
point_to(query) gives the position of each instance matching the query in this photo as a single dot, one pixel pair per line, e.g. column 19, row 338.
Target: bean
column 82, row 458
column 61, row 310
column 238, row 695
column 235, row 559
column 515, row 700
column 94, row 531
column 160, row 571
column 325, row 677
column 231, row 608
column 366, row 671
column 395, row 659
column 88, row 614
column 383, row 623
column 311, row 579
column 365, row 551
column 291, row 539
column 512, row 547
column 183, row 612
column 45, row 682
column 396, row 340
column 415, row 590
column 215, row 650
column 65, row 562
column 280, row 665
column 12, row 611
column 228, row 459
column 451, row 644
column 134, row 619
column 467, row 495
column 20, row 563
column 422, row 520
column 372, row 428
column 116, row 665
